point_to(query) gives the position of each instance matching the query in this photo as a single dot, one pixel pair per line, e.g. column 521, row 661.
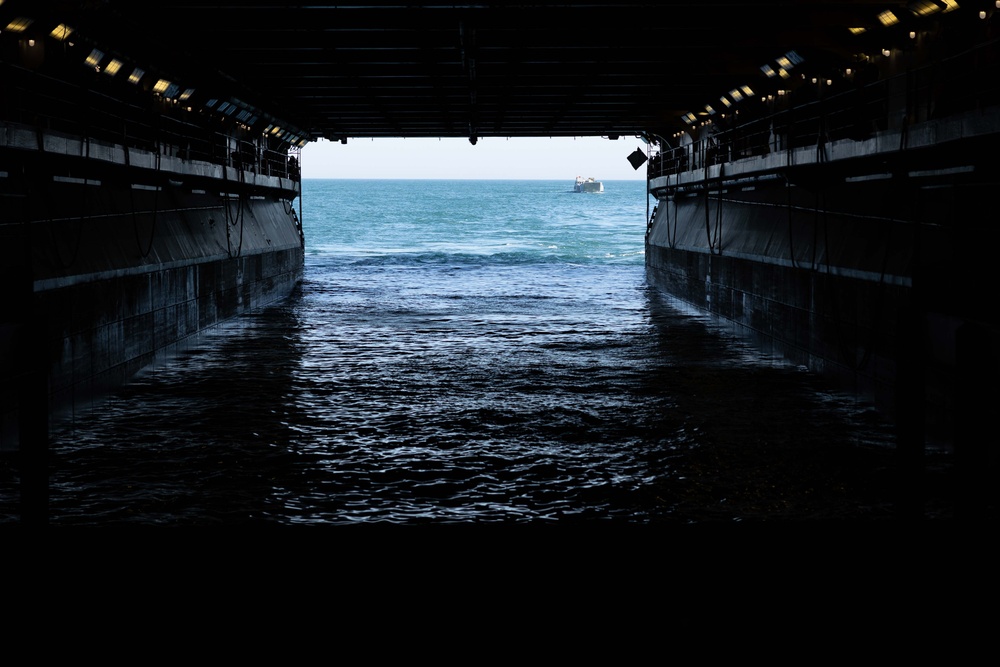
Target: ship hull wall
column 110, row 268
column 836, row 323
column 865, row 273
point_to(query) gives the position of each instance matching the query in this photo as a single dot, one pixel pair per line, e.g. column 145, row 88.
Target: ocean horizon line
column 416, row 178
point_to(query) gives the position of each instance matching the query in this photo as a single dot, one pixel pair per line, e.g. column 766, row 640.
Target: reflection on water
column 472, row 352
column 593, row 399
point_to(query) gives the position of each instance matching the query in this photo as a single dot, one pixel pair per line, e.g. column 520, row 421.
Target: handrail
column 50, row 104
column 816, row 114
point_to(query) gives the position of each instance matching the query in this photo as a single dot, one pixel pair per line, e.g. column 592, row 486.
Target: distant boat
column 588, row 185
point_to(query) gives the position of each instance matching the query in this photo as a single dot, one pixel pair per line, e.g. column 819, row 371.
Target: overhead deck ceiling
column 506, row 69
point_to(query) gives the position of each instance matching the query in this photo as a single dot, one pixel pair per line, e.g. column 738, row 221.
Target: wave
column 415, row 258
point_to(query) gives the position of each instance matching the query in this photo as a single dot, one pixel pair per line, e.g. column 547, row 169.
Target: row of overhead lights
column 169, row 91
column 783, row 66
column 922, row 8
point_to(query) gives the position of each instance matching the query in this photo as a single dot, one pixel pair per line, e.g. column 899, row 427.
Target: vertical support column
column 25, row 367
column 975, row 432
column 33, row 410
column 909, row 408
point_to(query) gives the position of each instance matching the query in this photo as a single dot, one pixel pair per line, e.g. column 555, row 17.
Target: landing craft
column 587, row 185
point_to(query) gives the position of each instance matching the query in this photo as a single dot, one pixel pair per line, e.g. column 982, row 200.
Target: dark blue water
column 472, row 352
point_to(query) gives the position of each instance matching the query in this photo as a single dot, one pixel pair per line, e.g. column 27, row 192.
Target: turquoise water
column 474, row 223
column 467, row 352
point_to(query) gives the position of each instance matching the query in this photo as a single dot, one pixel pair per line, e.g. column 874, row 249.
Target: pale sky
column 518, row 158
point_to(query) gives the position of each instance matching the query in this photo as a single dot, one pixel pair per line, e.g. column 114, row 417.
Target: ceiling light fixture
column 61, row 32
column 887, row 18
column 19, row 24
column 94, row 59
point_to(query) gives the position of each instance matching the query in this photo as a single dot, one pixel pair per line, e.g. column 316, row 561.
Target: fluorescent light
column 161, row 86
column 887, row 18
column 136, row 75
column 857, row 31
column 61, row 32
column 923, row 7
column 19, row 24
column 113, row 67
column 94, row 59
column 789, row 60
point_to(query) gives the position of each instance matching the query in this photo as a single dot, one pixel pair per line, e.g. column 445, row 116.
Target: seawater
column 467, row 351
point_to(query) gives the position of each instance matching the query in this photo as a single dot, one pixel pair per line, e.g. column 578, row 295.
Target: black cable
column 817, row 209
column 239, row 210
column 135, row 218
column 80, row 218
column 718, row 221
column 241, row 195
column 673, row 241
column 708, row 213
